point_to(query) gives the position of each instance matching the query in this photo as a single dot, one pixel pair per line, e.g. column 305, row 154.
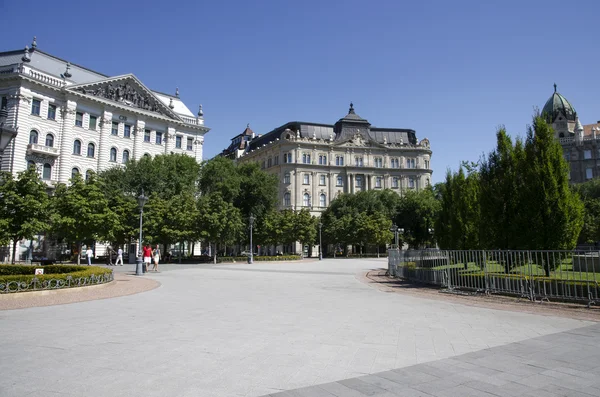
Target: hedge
column 23, row 273
column 259, row 258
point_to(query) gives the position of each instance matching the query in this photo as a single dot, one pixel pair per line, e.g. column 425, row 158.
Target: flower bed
column 20, row 278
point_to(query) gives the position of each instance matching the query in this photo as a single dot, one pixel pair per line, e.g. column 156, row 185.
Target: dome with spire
column 557, row 105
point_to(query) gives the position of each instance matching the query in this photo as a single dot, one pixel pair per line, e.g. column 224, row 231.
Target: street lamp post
column 139, row 269
column 320, row 249
column 251, row 258
column 394, row 230
column 431, row 233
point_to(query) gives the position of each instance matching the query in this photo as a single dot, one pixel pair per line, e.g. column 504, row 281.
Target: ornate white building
column 70, row 119
column 316, row 162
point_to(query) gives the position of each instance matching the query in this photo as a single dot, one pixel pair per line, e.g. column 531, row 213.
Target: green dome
column 556, row 105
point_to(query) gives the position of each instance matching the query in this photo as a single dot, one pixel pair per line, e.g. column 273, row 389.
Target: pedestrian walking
column 109, row 252
column 119, row 257
column 89, row 253
column 156, row 257
column 147, row 256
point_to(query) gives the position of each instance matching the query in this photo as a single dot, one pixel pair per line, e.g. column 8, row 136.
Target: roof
column 556, row 105
column 587, row 129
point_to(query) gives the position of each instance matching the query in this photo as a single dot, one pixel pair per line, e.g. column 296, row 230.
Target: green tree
column 220, row 175
column 590, row 195
column 258, row 191
column 81, row 212
column 417, row 213
column 218, row 220
column 305, row 227
column 23, row 205
column 372, row 229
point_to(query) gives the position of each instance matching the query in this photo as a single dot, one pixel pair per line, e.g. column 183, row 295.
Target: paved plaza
column 290, row 329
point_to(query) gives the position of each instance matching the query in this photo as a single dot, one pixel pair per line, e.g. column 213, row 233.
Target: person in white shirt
column 89, row 253
column 119, row 257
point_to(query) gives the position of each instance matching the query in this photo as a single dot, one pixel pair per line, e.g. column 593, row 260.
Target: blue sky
column 451, row 70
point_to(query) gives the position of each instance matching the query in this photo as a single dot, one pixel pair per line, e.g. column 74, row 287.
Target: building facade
column 72, row 120
column 580, row 143
column 317, row 162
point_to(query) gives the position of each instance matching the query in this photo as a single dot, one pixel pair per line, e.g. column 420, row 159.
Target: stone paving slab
column 562, row 364
column 251, row 330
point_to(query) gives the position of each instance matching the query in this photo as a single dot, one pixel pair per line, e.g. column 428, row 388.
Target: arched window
column 113, row 154
column 30, row 164
column 33, row 137
column 322, row 200
column 286, row 177
column 77, row 147
column 47, row 171
column 287, row 202
column 147, row 155
column 88, row 174
column 306, row 200
column 91, row 150
column 74, row 172
column 49, row 140
column 125, row 156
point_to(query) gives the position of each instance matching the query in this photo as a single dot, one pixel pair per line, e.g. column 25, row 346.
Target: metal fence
column 535, row 275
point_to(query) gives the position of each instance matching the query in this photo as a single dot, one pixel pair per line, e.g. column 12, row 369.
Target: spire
column 248, row 125
column 177, row 92
column 200, row 112
column 554, row 87
column 34, row 43
column 578, row 126
column 67, row 72
column 171, row 103
column 351, row 111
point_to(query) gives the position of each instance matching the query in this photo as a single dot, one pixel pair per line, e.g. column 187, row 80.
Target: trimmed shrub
column 259, row 258
column 25, row 274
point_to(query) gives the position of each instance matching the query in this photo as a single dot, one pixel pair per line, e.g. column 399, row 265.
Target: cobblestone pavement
column 252, row 330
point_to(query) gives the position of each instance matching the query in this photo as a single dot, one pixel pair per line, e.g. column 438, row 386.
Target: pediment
column 357, row 140
column 125, row 90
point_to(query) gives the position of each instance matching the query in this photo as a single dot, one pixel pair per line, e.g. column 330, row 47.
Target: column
column 370, row 178
column 298, row 190
column 352, row 182
column 170, row 140
column 331, row 181
column 103, row 143
column 66, row 147
column 348, row 182
column 138, row 139
column 314, row 183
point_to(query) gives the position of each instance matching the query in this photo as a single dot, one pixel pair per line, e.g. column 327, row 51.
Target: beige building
column 580, row 142
column 317, row 162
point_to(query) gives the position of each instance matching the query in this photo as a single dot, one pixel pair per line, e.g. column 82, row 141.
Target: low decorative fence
column 535, row 275
column 49, row 283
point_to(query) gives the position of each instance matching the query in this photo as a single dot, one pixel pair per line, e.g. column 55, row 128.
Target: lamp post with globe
column 251, row 257
column 142, row 200
column 320, row 249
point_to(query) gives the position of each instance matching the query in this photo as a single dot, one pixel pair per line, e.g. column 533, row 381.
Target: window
column 306, row 200
column 322, row 159
column 276, row 160
column 35, row 107
column 378, row 181
column 77, row 147
column 52, row 112
column 113, row 154
column 49, row 140
column 306, row 158
column 127, row 131
column 74, row 172
column 568, row 156
column 395, row 163
column 339, row 160
column 322, row 180
column 395, row 182
column 287, row 202
column 322, row 200
column 178, row 141
column 146, row 135
column 146, row 155
column 306, row 179
column 263, row 164
column 359, row 181
column 125, row 156
column 269, row 162
column 79, row 119
column 286, row 178
column 339, row 181
column 88, row 174
column 410, row 163
column 91, row 150
column 115, row 128
column 93, row 122
column 587, row 154
column 588, row 173
column 358, row 161
column 47, row 174
column 378, row 162
column 190, row 143
column 411, row 183
column 287, row 157
column 426, row 164
column 30, row 164
column 158, row 138
column 33, row 137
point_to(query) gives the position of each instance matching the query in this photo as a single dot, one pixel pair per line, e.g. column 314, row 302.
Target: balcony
column 41, row 150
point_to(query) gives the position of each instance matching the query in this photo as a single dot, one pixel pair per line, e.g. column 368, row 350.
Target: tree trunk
column 78, row 253
column 378, row 251
column 215, row 257
column 14, row 251
column 180, row 252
